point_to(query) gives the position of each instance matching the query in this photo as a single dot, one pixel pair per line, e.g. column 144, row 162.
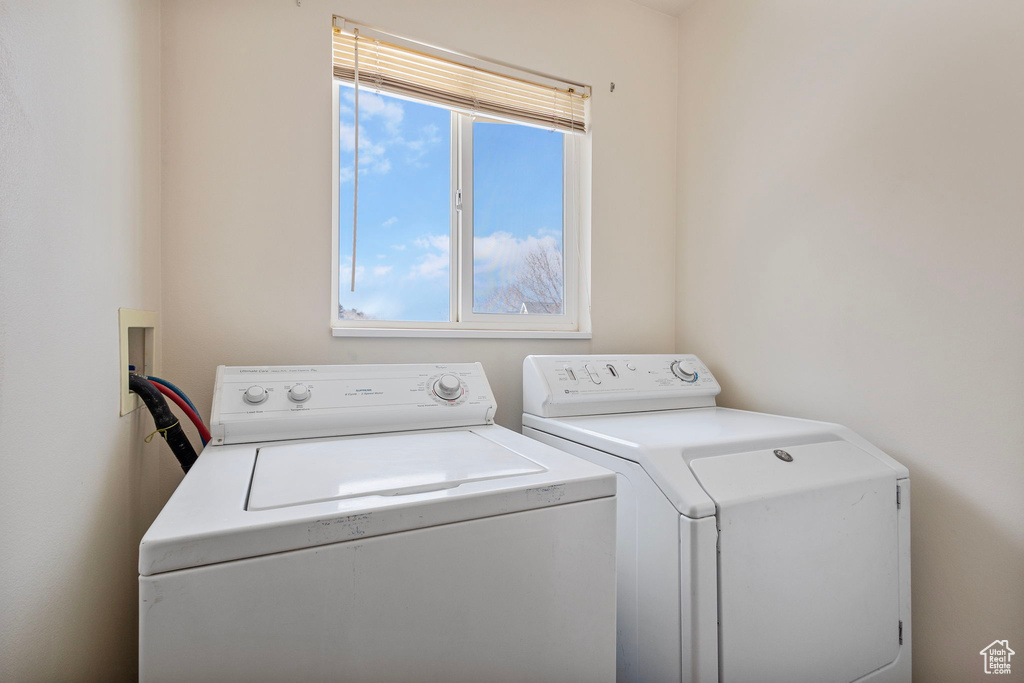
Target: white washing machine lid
column 665, row 442
column 246, row 500
column 387, row 465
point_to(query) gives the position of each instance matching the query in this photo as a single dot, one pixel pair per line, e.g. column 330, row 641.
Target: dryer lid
column 808, row 562
column 389, row 465
column 664, row 442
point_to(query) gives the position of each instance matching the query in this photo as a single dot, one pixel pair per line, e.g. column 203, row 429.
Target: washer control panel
column 555, row 386
column 282, row 402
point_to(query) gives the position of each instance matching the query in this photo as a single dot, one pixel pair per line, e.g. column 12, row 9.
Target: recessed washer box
column 137, row 335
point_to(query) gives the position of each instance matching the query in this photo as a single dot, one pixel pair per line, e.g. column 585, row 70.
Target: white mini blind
column 402, row 71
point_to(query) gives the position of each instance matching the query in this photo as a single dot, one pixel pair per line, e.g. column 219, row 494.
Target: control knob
column 448, row 387
column 683, row 371
column 299, row 393
column 255, row 395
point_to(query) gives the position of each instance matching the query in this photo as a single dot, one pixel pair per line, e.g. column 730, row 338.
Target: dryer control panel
column 560, row 386
column 267, row 403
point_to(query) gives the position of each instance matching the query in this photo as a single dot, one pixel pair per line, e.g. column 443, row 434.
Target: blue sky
column 404, row 192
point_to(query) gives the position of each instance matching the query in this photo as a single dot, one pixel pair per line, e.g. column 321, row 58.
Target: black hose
column 165, row 421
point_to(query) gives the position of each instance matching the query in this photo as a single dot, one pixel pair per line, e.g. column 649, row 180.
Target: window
column 464, row 215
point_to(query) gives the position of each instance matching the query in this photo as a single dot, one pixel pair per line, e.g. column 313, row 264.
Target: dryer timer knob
column 683, row 372
column 448, row 387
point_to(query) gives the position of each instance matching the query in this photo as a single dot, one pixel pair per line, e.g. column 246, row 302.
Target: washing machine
column 751, row 547
column 372, row 523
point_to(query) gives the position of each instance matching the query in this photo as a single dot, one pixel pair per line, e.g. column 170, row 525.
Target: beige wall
column 79, row 237
column 247, row 177
column 851, row 212
column 851, row 223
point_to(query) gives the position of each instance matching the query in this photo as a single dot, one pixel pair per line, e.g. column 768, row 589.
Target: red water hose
column 204, row 433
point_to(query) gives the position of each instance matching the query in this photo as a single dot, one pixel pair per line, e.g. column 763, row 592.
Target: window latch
column 458, row 200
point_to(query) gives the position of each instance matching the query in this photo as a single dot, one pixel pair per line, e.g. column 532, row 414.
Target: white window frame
column 574, row 322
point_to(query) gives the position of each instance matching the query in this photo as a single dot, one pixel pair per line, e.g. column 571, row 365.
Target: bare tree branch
column 352, row 314
column 537, row 285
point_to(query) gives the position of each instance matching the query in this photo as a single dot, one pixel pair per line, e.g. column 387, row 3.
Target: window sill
column 457, row 333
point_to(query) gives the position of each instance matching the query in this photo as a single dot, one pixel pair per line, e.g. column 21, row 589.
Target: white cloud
column 432, row 242
column 367, row 148
column 383, row 116
column 382, row 255
column 501, row 251
column 378, row 271
column 345, row 274
column 379, row 305
column 419, row 147
column 372, row 156
column 372, row 106
column 389, row 222
column 433, row 264
column 430, row 266
column 398, row 247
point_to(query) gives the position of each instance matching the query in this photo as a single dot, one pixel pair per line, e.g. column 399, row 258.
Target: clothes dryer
column 751, row 547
